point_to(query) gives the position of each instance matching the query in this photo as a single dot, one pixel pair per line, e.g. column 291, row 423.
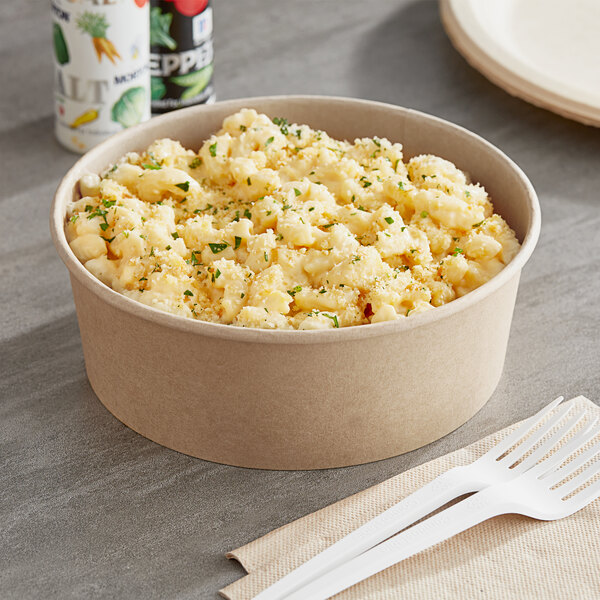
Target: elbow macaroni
column 275, row 225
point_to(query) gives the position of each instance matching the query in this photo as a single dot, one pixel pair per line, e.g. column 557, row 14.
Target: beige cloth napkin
column 506, row 557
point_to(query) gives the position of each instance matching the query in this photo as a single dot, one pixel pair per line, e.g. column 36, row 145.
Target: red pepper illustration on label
column 189, row 8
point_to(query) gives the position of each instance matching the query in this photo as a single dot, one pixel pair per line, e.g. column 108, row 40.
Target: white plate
column 544, row 51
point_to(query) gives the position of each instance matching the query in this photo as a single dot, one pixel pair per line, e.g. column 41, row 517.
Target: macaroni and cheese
column 275, row 225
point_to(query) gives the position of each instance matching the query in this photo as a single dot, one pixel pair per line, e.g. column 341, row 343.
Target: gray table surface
column 90, row 509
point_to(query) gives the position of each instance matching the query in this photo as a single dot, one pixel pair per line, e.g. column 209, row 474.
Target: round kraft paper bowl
column 302, row 399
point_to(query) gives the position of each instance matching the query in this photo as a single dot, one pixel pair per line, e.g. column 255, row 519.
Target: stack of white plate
column 544, row 51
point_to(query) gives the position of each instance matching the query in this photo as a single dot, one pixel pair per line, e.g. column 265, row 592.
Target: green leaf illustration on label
column 60, row 45
column 159, row 29
column 194, row 82
column 128, row 110
column 158, row 88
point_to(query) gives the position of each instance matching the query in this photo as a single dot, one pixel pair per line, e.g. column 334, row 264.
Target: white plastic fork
column 497, row 465
column 540, row 492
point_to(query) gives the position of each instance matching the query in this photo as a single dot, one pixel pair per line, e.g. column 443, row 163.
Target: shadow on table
column 90, row 506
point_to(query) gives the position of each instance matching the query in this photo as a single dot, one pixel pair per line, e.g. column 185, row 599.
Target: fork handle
column 455, row 519
column 436, row 493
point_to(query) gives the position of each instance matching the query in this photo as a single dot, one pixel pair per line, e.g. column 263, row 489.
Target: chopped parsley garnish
column 297, row 192
column 362, row 208
column 247, row 214
column 195, row 163
column 242, row 295
column 413, row 250
column 188, row 293
column 104, row 226
column 238, row 241
column 408, row 311
column 109, row 240
column 269, row 141
column 401, row 185
column 333, row 318
column 322, row 291
column 478, row 224
column 424, row 214
column 195, row 261
column 389, row 220
column 377, row 142
column 458, row 251
column 216, row 248
column 152, row 251
column 74, row 218
column 355, row 259
column 174, row 235
column 294, row 290
column 99, row 212
column 213, row 149
column 311, row 209
column 467, row 193
column 185, row 186
column 216, row 275
column 402, row 228
column 243, row 128
column 152, row 165
column 143, row 279
column 282, row 123
column 108, row 203
column 266, row 257
column 328, row 225
column 249, row 181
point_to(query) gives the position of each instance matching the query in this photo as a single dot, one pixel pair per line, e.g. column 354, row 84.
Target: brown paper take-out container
column 302, row 399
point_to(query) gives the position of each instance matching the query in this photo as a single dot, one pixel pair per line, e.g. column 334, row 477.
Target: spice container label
column 181, row 54
column 102, row 76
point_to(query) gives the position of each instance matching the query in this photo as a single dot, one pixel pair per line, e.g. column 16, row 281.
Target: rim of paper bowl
column 283, row 336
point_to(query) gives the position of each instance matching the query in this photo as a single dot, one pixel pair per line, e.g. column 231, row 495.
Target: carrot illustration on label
column 95, row 25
